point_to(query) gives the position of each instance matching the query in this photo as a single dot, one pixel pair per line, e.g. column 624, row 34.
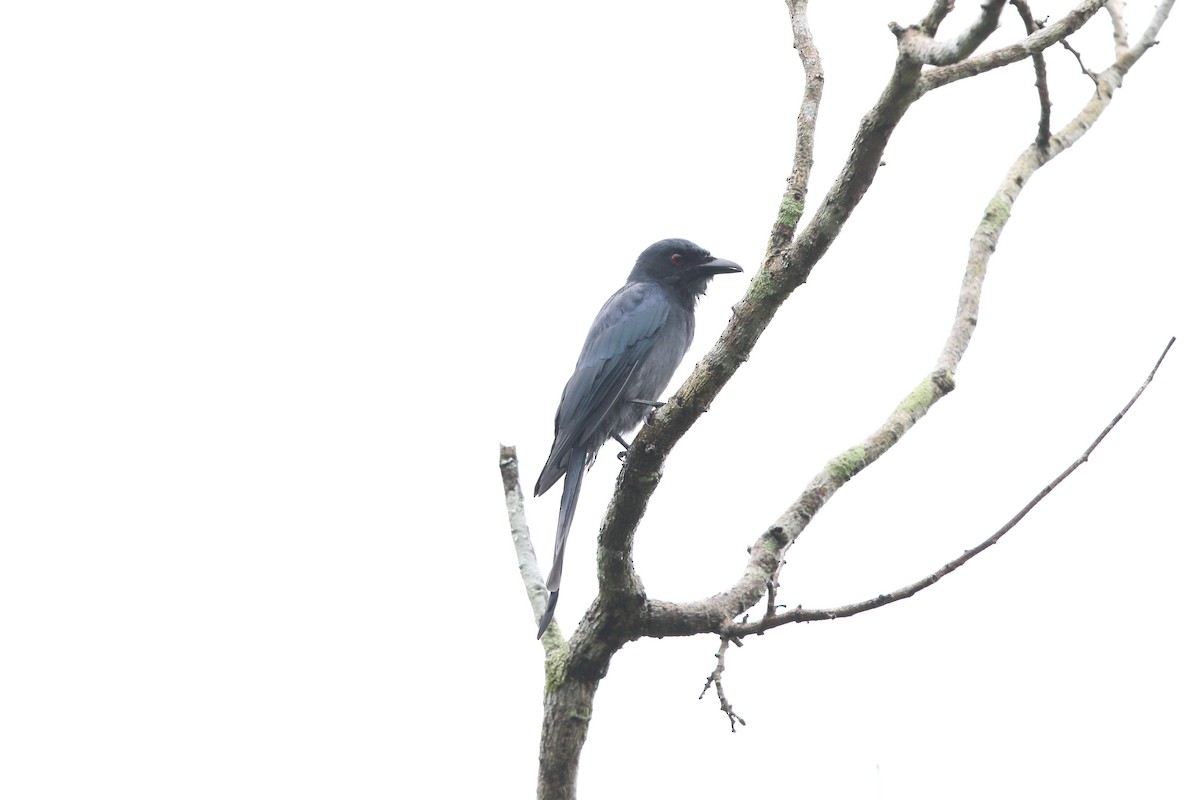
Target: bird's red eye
column 677, row 260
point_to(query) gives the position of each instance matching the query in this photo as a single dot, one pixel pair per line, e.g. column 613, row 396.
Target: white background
column 279, row 278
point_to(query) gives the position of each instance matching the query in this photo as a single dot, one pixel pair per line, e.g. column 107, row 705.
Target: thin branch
column 1039, row 73
column 531, row 575
column 1128, row 57
column 714, row 679
column 812, row 615
column 1116, row 10
column 773, row 588
column 937, row 14
column 1079, row 58
column 791, row 207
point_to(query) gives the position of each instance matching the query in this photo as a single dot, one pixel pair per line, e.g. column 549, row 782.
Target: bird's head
column 678, row 262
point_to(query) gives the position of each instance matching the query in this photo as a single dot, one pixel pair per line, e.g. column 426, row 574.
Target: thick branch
column 917, row 42
column 568, row 703
column 774, row 283
column 813, row 615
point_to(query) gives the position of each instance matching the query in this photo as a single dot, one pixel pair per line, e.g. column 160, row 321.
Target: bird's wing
column 619, row 339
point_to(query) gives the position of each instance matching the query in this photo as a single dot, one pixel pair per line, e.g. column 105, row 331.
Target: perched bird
column 633, row 348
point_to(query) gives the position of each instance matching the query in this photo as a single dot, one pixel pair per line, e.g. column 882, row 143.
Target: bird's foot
column 652, row 406
column 621, row 455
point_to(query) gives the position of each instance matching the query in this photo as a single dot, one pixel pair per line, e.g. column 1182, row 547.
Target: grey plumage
column 631, row 351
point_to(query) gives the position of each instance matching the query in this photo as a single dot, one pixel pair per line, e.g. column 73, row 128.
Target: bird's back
column 632, row 349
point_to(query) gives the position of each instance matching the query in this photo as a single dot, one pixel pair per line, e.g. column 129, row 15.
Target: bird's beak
column 715, row 266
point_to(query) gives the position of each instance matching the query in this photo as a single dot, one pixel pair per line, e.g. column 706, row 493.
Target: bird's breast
column 654, row 372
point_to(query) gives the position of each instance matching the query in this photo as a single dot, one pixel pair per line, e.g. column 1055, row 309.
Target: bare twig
column 714, row 679
column 773, row 589
column 1079, row 58
column 531, row 576
column 812, row 615
column 1039, row 72
column 791, row 207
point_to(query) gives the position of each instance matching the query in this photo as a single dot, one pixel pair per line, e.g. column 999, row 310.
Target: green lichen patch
column 845, row 466
column 995, row 216
column 764, row 284
column 919, row 399
column 790, row 211
column 556, row 662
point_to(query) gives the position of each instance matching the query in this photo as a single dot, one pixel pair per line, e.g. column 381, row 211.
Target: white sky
column 278, row 279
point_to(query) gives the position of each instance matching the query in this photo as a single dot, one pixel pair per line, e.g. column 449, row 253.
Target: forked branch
column 743, row 629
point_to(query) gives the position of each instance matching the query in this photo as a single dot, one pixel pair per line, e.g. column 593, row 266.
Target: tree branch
column 779, row 276
column 791, row 207
column 770, row 287
column 1039, row 73
column 740, row 630
column 1116, row 10
column 714, row 679
column 917, row 44
column 621, row 612
column 1034, row 43
column 680, row 619
column 527, row 564
column 1079, row 57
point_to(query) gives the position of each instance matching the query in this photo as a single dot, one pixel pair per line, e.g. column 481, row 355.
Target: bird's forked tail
column 566, row 513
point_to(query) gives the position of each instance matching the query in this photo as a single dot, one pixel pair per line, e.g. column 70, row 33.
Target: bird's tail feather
column 566, row 513
column 551, row 602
